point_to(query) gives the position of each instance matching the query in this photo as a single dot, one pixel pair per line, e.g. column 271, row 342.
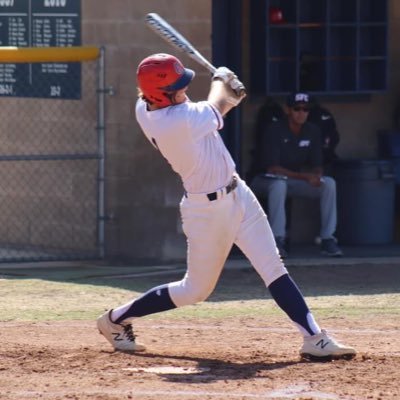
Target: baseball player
column 217, row 208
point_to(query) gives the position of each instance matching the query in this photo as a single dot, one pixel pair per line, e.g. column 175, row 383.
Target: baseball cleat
column 120, row 336
column 323, row 347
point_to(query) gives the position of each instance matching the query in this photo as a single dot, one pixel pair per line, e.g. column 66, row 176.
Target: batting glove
column 225, row 74
column 237, row 86
column 236, row 99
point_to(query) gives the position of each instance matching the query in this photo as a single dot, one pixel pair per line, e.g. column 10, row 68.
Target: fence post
column 101, row 91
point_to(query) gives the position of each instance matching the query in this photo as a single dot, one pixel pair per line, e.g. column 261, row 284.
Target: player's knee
column 185, row 292
column 200, row 293
column 197, row 297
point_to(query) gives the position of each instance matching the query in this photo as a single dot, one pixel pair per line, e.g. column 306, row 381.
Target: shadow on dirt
column 211, row 370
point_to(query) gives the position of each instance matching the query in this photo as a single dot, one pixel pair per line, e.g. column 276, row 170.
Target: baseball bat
column 179, row 42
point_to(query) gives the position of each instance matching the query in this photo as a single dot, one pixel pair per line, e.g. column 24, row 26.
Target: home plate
column 169, row 370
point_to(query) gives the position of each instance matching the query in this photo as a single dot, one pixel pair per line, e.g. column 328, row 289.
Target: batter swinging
column 217, row 209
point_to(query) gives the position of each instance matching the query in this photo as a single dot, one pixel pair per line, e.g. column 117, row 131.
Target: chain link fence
column 50, row 169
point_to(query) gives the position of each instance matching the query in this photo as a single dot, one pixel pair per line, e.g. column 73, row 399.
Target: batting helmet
column 159, row 75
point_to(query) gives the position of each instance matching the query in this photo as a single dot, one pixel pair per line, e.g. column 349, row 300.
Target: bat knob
column 238, row 87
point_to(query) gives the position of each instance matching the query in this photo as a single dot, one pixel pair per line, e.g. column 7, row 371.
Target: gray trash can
column 365, row 201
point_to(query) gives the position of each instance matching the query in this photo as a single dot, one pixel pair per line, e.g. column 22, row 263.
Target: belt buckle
column 229, row 188
column 212, row 196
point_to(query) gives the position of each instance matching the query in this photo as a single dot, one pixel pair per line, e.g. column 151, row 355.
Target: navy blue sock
column 289, row 298
column 154, row 301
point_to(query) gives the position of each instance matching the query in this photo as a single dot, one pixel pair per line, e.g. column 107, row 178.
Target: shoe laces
column 329, row 336
column 128, row 331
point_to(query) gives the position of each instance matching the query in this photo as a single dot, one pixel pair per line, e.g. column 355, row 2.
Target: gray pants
column 275, row 190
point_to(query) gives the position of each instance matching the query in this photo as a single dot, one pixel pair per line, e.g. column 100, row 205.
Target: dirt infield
column 237, row 345
column 236, row 359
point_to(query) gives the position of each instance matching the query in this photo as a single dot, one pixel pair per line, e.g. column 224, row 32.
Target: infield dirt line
column 276, row 330
column 291, row 392
column 167, row 325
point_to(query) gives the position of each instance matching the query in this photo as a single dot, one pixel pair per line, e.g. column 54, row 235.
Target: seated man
column 293, row 167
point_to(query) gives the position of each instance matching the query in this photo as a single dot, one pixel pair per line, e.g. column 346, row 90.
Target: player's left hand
column 225, row 74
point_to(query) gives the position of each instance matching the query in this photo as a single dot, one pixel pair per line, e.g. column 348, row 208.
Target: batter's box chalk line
column 303, row 389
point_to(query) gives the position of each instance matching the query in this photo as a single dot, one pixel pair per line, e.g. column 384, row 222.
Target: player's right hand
column 236, row 95
column 238, row 87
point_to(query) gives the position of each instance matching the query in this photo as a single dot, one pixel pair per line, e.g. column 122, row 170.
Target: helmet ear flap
column 154, row 99
column 160, row 98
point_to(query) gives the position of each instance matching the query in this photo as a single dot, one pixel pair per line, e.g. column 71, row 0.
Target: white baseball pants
column 211, row 228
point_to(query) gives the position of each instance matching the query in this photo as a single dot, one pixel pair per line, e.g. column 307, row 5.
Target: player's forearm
column 221, row 96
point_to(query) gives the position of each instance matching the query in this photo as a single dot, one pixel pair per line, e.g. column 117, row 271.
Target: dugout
column 261, row 50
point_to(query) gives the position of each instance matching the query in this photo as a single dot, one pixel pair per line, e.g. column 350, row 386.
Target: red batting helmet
column 161, row 74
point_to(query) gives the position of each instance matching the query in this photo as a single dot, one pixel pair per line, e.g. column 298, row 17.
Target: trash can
column 388, row 144
column 396, row 169
column 365, row 201
column 389, row 148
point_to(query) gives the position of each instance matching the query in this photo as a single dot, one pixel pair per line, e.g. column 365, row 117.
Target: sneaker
column 323, row 347
column 281, row 245
column 120, row 336
column 330, row 248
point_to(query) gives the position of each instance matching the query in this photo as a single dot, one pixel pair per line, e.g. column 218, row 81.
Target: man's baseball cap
column 297, row 98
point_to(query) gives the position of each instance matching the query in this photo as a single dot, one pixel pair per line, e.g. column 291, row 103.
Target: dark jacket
column 324, row 119
column 269, row 113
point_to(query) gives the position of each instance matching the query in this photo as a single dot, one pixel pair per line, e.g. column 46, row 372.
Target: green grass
column 36, row 300
column 83, row 293
column 41, row 300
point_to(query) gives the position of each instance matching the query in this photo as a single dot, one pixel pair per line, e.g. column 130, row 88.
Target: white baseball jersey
column 186, row 135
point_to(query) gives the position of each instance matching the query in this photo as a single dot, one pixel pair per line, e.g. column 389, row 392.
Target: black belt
column 227, row 189
column 214, row 195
